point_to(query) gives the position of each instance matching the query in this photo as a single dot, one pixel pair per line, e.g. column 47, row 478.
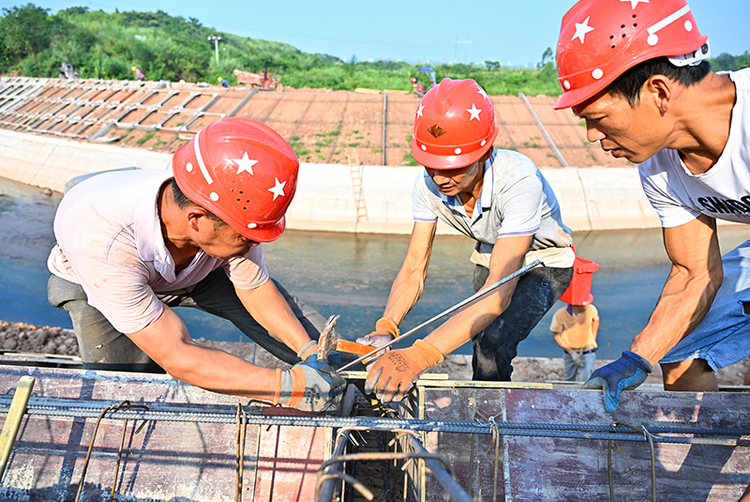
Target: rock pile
column 22, row 337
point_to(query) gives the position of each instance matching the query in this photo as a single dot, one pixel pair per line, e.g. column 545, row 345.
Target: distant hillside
column 99, row 45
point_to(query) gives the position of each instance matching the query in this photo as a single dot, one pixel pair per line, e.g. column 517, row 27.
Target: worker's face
column 453, row 181
column 632, row 132
column 223, row 242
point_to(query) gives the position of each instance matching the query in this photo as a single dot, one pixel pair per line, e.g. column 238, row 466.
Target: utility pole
column 455, row 50
column 216, row 46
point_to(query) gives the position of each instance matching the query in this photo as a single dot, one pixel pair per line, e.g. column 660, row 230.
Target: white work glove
column 310, row 386
column 577, row 359
column 385, row 331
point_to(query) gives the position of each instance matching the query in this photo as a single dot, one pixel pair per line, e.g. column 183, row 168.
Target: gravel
column 29, row 338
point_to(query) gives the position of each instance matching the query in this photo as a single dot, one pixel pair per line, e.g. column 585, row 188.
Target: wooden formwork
column 573, row 463
column 170, row 459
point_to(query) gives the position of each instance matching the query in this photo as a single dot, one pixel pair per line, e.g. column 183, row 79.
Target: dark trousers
column 495, row 347
column 103, row 347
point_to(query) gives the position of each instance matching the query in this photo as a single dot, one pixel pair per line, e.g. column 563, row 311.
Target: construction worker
column 133, row 244
column 138, row 73
column 574, row 328
column 223, row 82
column 501, row 200
column 636, row 73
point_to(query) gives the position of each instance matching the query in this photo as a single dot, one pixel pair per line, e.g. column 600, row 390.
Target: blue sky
column 512, row 32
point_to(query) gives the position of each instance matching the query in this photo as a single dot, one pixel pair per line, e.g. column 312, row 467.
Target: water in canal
column 350, row 275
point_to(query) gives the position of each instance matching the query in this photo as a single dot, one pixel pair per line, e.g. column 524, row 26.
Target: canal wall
column 336, row 197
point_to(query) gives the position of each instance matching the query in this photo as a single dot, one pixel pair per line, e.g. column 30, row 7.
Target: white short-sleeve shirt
column 109, row 240
column 516, row 200
column 722, row 192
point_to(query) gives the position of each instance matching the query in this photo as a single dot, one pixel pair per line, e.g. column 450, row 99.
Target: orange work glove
column 396, row 371
column 385, row 331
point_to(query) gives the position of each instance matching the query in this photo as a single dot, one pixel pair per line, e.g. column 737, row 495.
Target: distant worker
column 66, row 71
column 648, row 95
column 138, row 73
column 499, row 199
column 224, row 82
column 131, row 245
column 575, row 328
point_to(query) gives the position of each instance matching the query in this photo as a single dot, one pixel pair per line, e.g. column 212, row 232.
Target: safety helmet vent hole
column 623, row 35
column 612, row 46
column 635, row 25
column 622, row 26
column 611, row 37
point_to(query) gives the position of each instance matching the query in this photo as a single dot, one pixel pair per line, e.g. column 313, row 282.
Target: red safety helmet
column 455, row 125
column 242, row 171
column 601, row 39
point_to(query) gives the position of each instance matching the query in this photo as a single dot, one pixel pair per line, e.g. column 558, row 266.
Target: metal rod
column 328, row 485
column 539, row 124
column 385, row 121
column 444, row 313
column 450, row 485
column 160, row 411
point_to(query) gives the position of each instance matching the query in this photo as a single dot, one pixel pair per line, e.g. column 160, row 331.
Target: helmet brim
column 267, row 234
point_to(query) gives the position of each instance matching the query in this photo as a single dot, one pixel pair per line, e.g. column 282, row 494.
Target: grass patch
column 147, row 137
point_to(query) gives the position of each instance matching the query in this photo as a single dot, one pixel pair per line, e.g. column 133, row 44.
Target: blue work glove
column 334, row 359
column 626, row 373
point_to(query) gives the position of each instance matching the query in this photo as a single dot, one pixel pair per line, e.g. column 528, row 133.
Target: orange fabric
column 353, row 347
column 425, row 354
column 298, row 386
column 387, row 325
column 277, row 394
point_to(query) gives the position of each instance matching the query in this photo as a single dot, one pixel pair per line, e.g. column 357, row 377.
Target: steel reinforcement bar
column 228, row 414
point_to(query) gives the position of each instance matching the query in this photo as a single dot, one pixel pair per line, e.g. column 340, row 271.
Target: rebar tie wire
column 124, row 405
column 649, row 438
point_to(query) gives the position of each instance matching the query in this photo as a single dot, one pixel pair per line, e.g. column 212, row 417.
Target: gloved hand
column 385, row 331
column 310, row 386
column 394, row 373
column 626, row 373
column 310, row 349
column 577, row 359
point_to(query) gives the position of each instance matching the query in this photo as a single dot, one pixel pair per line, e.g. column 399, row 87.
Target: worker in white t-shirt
column 133, row 244
column 636, row 73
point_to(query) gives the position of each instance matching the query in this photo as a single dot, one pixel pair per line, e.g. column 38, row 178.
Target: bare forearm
column 218, row 371
column 405, row 292
column 469, row 322
column 683, row 304
column 267, row 306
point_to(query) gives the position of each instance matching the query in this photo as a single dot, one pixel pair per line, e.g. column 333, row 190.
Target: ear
column 196, row 216
column 660, row 90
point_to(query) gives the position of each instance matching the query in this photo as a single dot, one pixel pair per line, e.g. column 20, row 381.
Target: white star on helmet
column 474, row 111
column 244, row 164
column 277, row 189
column 633, row 3
column 582, row 29
column 419, row 111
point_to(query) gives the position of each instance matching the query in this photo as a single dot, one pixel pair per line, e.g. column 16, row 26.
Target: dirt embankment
column 28, row 338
